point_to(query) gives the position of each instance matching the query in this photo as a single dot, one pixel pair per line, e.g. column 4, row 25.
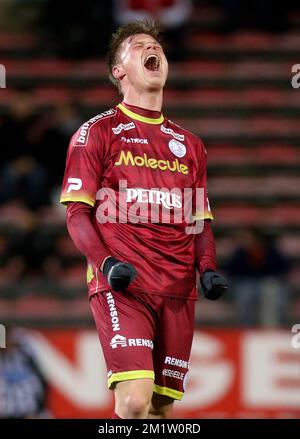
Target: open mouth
column 152, row 62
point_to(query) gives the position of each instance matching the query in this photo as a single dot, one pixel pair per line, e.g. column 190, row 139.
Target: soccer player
column 128, row 177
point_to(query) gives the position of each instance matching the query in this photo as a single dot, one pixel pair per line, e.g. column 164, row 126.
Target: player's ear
column 118, row 71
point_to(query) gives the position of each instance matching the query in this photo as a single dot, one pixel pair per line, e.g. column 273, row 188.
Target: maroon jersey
column 139, row 172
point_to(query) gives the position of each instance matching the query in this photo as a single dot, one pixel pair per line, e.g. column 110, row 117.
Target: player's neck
column 147, row 100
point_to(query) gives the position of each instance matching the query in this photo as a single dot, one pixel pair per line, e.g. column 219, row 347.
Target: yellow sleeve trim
column 129, row 375
column 90, row 273
column 175, row 394
column 77, row 198
column 203, row 216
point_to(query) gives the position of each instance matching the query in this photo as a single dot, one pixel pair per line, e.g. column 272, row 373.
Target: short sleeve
column 201, row 206
column 83, row 171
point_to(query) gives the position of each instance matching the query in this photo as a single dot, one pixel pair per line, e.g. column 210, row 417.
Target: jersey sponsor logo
column 123, row 126
column 113, row 312
column 172, row 133
column 165, row 198
column 83, row 132
column 74, row 184
column 140, row 342
column 173, row 374
column 177, row 362
column 123, row 342
column 177, row 148
column 128, row 159
column 118, row 340
column 134, row 140
column 154, row 205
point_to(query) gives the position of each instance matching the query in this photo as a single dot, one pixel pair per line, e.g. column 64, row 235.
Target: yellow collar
column 136, row 116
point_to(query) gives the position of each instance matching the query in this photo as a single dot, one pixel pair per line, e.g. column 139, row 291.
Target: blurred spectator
column 173, row 15
column 12, row 266
column 259, row 285
column 22, row 177
column 58, row 126
column 23, row 388
column 75, row 30
column 18, row 15
column 265, row 15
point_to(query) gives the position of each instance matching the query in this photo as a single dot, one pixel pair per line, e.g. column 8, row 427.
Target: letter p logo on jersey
column 74, row 184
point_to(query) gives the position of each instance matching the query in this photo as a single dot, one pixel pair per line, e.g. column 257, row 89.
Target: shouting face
column 142, row 64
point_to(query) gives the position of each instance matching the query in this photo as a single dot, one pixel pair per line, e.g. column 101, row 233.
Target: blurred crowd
column 259, row 279
column 35, row 150
column 74, row 31
column 31, row 171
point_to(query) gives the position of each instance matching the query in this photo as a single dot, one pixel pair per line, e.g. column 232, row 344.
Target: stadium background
column 230, row 82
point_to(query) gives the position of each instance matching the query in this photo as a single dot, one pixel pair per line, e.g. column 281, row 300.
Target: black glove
column 213, row 284
column 118, row 274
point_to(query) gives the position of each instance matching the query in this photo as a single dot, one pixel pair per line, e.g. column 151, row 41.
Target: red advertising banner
column 233, row 373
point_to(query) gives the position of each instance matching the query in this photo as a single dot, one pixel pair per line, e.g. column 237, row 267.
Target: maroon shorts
column 145, row 336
